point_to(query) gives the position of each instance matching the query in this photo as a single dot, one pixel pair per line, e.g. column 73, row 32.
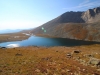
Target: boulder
column 94, row 61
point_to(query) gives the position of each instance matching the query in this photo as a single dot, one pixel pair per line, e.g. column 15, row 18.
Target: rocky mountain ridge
column 74, row 25
column 91, row 15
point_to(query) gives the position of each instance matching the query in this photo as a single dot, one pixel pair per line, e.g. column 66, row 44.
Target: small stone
column 56, row 51
column 37, row 70
column 54, row 74
column 76, row 51
column 0, row 70
column 69, row 55
column 89, row 55
column 98, row 69
column 63, row 71
column 71, row 73
column 79, row 68
column 84, row 69
column 18, row 54
column 48, row 70
column 68, row 70
column 95, row 74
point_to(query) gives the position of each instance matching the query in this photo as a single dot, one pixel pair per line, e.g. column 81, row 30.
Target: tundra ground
column 49, row 60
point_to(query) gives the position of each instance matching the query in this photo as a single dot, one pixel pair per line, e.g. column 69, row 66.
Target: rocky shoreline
column 13, row 37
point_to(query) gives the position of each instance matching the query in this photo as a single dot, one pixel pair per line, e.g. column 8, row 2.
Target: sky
column 24, row 14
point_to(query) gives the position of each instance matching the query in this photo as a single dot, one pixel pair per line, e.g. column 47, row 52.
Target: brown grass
column 46, row 61
column 11, row 37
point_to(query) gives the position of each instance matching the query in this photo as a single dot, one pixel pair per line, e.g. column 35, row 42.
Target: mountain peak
column 74, row 25
column 97, row 10
column 90, row 15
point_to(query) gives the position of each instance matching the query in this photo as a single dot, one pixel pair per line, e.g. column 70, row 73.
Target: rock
column 56, row 51
column 77, row 58
column 71, row 73
column 69, row 55
column 95, row 74
column 37, row 70
column 76, row 51
column 18, row 54
column 94, row 61
column 47, row 58
column 98, row 69
column 83, row 69
column 68, row 70
column 97, row 10
column 0, row 70
column 88, row 55
column 86, row 29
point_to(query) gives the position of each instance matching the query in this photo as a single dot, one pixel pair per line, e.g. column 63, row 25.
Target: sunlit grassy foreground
column 48, row 61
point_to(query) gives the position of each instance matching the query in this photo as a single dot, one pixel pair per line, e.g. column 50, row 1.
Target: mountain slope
column 74, row 25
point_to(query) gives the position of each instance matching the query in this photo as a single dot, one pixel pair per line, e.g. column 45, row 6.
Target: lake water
column 41, row 41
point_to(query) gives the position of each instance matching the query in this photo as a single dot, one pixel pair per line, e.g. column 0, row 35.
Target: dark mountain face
column 71, row 17
column 74, row 25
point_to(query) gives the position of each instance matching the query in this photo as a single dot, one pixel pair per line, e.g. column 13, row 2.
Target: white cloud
column 86, row 4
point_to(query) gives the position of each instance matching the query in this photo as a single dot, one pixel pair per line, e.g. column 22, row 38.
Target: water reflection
column 12, row 45
column 41, row 41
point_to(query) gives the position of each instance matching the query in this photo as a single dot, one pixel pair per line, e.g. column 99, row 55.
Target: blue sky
column 22, row 14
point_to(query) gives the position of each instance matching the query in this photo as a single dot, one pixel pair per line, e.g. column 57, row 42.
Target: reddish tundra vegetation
column 76, row 60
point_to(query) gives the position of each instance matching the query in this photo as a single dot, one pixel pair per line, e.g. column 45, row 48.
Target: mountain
column 73, row 25
column 9, row 31
column 15, row 30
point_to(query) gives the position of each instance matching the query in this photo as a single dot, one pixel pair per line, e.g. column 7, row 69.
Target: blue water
column 41, row 41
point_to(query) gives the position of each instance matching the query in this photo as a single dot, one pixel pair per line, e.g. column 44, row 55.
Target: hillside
column 73, row 25
column 8, row 37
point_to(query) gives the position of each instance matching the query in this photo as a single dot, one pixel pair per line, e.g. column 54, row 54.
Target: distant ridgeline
column 74, row 25
column 9, row 31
